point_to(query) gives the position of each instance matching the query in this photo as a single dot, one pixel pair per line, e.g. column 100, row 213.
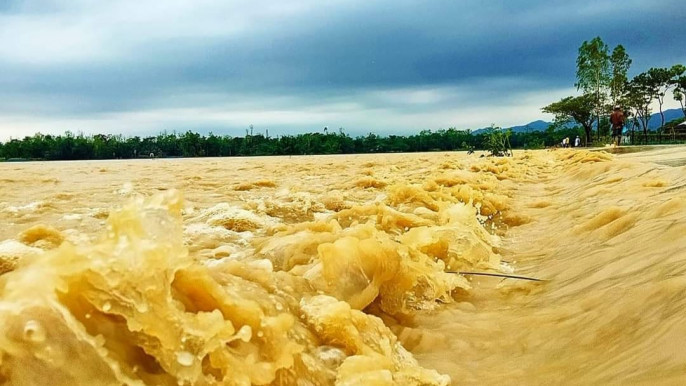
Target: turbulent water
column 345, row 269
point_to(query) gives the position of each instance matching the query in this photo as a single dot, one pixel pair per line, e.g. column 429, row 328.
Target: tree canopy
column 577, row 109
column 593, row 72
column 678, row 84
column 620, row 63
column 190, row 144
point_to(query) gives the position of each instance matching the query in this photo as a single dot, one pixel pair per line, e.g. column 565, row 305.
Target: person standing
column 577, row 141
column 617, row 120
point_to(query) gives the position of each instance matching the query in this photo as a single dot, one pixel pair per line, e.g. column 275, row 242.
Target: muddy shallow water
column 323, row 269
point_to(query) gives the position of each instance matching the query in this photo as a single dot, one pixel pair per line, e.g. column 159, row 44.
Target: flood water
column 340, row 269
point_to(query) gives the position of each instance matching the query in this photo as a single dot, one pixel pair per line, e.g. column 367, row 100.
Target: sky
column 141, row 67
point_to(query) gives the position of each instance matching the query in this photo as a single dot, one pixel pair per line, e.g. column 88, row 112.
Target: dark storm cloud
column 80, row 59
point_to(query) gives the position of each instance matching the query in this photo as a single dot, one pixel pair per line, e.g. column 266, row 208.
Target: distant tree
column 578, row 109
column 679, row 83
column 604, row 126
column 593, row 72
column 660, row 81
column 191, row 144
column 619, row 63
column 640, row 91
column 13, row 149
column 213, row 145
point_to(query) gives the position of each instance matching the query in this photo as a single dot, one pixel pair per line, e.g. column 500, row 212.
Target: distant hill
column 671, row 114
column 540, row 125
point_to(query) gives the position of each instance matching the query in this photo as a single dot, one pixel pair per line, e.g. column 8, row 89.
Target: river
column 355, row 269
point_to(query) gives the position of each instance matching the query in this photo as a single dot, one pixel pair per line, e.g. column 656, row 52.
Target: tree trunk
column 645, row 131
column 662, row 116
column 588, row 130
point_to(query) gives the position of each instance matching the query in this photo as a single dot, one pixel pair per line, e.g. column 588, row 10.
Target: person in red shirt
column 617, row 120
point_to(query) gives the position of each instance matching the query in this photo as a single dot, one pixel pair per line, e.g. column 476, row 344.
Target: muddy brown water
column 332, row 269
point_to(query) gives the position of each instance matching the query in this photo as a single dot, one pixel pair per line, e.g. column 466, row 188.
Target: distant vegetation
column 189, row 144
column 71, row 146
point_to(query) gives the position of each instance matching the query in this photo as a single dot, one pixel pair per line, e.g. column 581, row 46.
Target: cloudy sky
column 139, row 67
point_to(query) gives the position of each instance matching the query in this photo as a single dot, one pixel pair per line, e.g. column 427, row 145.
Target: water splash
column 318, row 274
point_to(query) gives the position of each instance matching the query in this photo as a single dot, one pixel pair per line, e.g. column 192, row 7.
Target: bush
column 497, row 142
column 535, row 143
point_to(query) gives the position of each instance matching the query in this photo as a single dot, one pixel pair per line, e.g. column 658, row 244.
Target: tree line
column 602, row 78
column 72, row 146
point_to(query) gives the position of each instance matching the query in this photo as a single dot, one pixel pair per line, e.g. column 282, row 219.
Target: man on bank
column 617, row 121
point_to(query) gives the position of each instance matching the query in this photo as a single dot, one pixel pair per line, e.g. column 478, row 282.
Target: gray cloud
column 84, row 64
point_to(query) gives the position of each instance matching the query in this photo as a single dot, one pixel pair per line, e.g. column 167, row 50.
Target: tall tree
column 639, row 94
column 619, row 63
column 579, row 109
column 593, row 72
column 660, row 81
column 679, row 83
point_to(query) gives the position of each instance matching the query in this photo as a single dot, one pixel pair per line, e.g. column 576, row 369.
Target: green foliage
column 593, row 71
column 660, row 80
column 593, row 65
column 599, row 72
column 680, row 93
column 679, row 83
column 671, row 125
column 497, row 142
column 536, row 143
column 577, row 109
column 604, row 127
column 619, row 63
column 189, row 144
column 640, row 92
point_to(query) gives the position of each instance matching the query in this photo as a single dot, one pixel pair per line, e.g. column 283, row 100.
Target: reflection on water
column 335, row 269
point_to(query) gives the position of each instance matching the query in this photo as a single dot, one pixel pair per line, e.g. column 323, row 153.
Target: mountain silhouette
column 540, row 125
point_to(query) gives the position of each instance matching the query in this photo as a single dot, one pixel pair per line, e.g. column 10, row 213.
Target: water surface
column 323, row 269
